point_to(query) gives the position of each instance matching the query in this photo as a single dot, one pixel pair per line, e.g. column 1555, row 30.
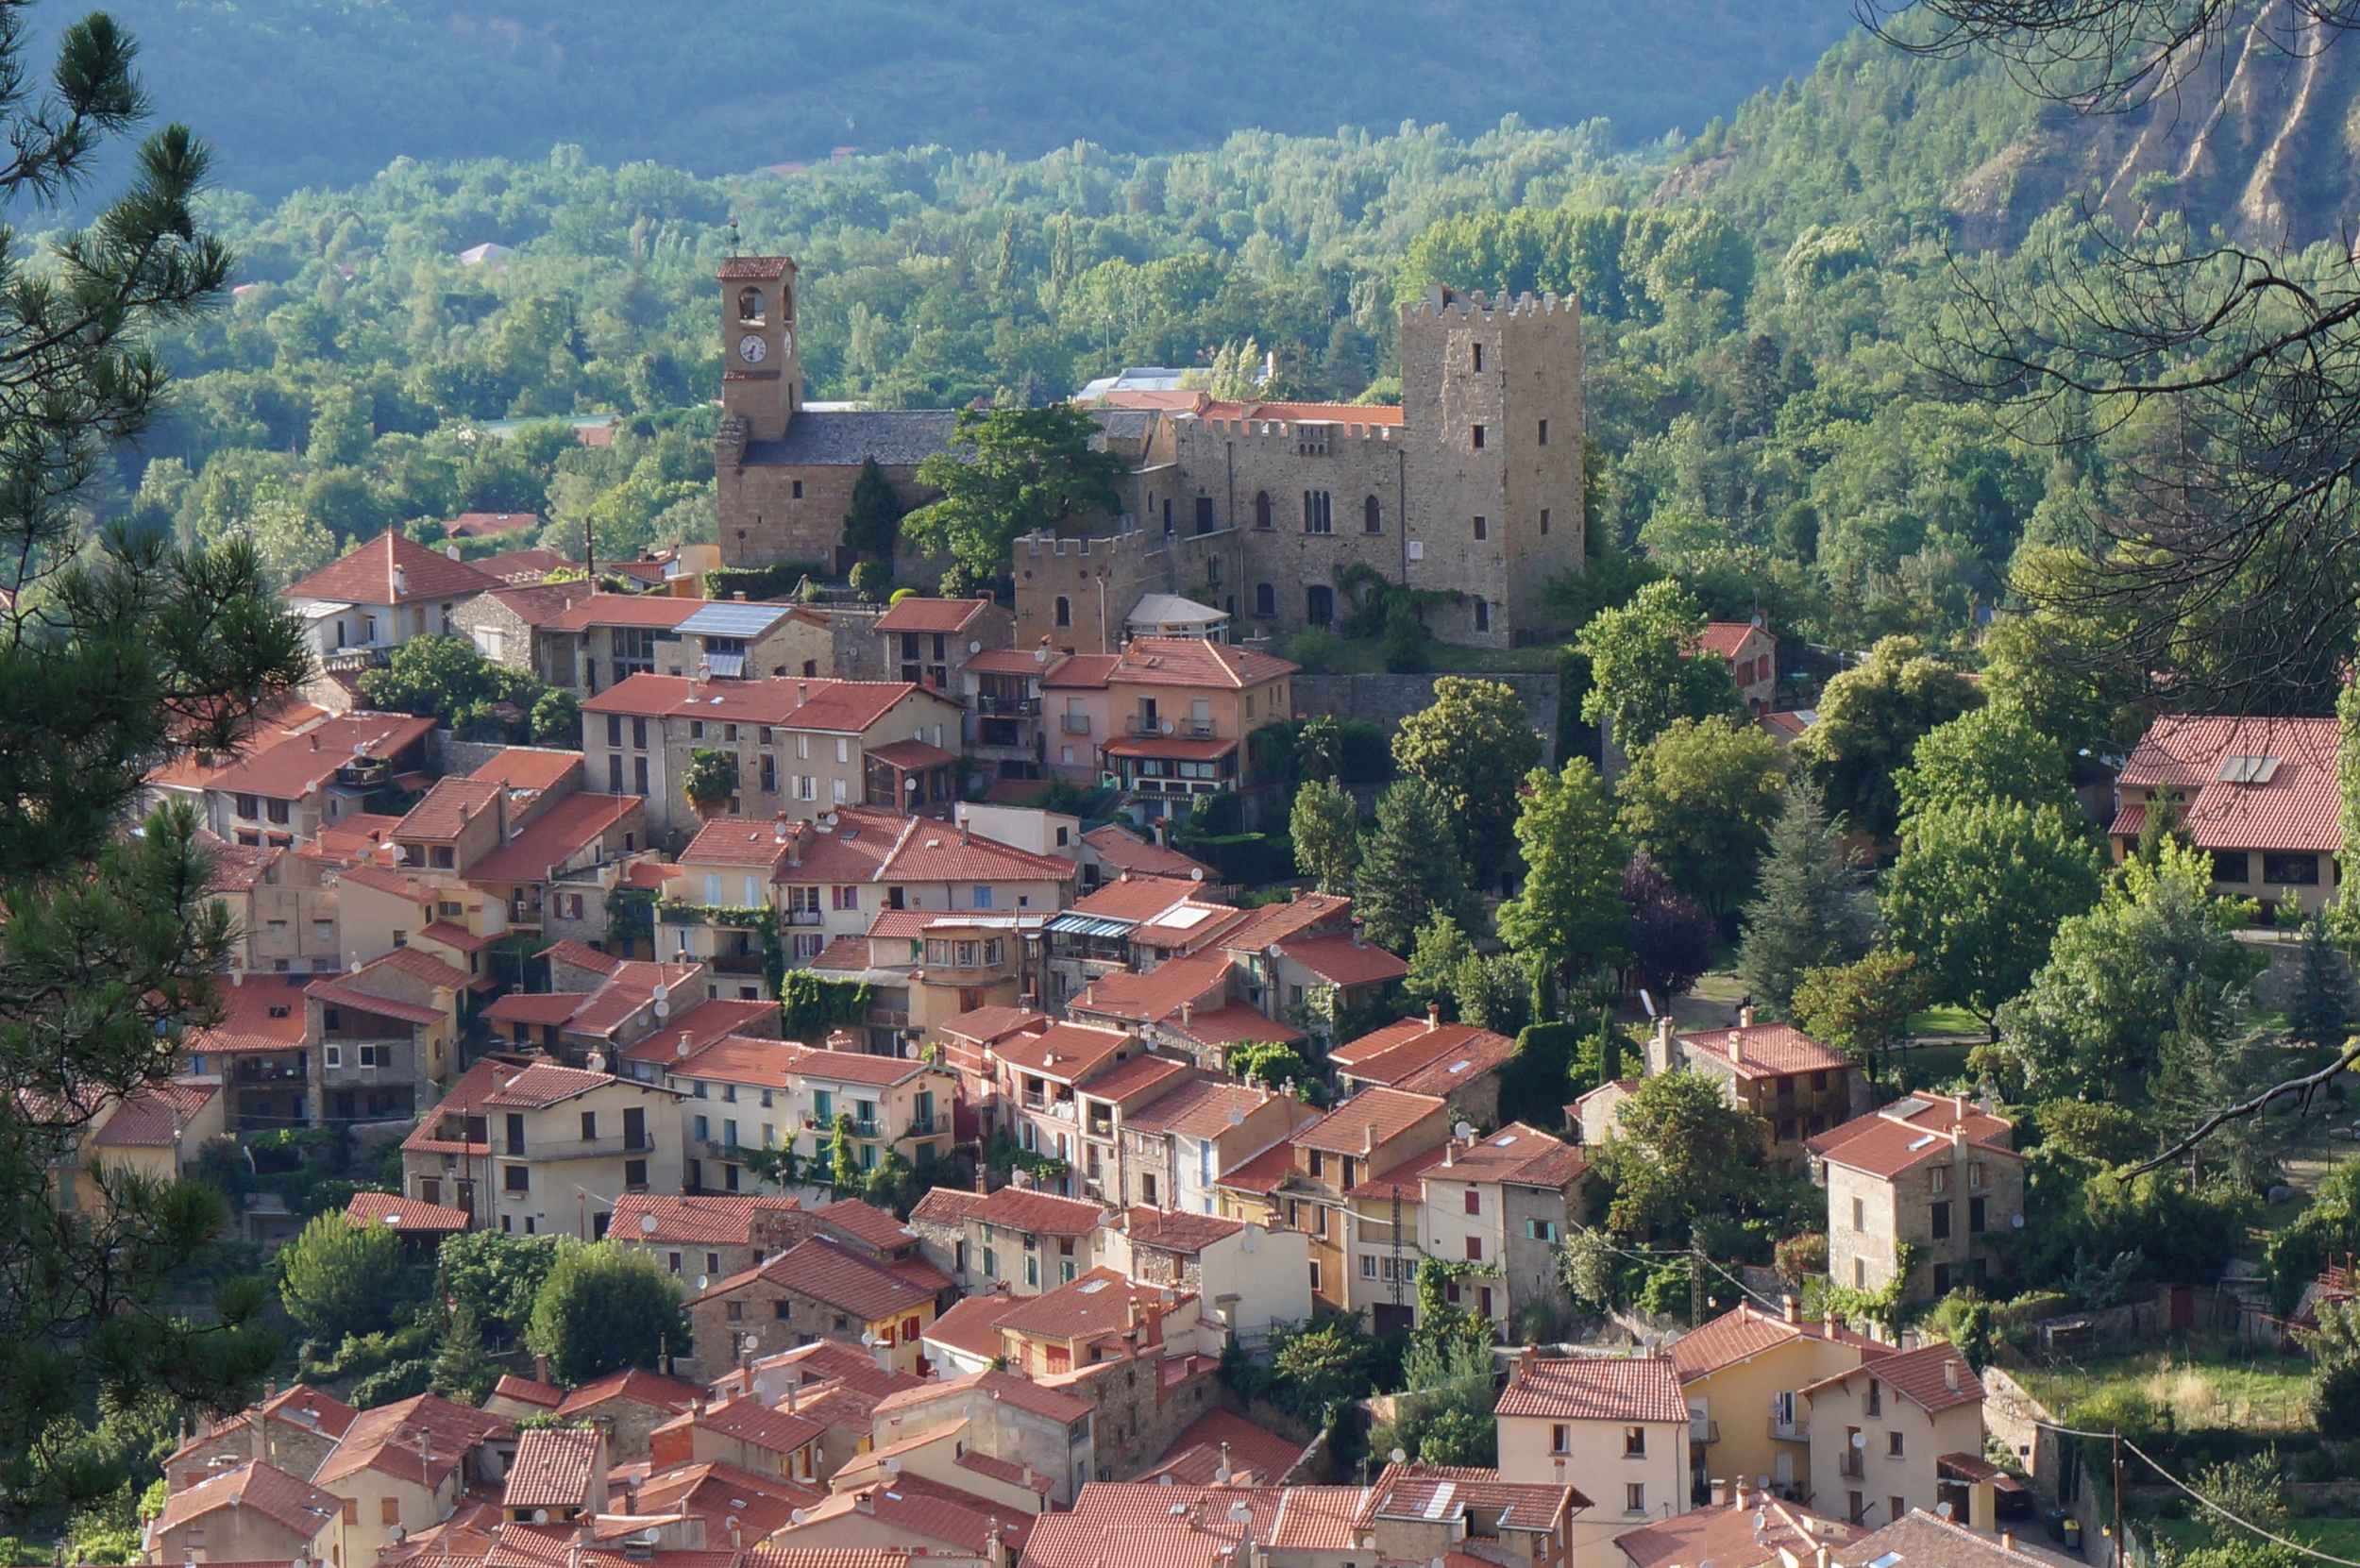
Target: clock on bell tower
column 762, row 375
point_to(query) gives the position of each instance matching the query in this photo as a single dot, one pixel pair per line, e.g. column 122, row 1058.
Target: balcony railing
column 889, row 1018
column 1141, row 724
column 1075, row 724
column 1787, row 1421
column 924, row 1126
column 580, row 1148
column 1198, row 728
column 802, row 917
column 1851, row 1467
column 736, row 963
column 1013, row 707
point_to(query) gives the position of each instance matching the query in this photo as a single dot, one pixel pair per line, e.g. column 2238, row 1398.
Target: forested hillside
column 716, row 88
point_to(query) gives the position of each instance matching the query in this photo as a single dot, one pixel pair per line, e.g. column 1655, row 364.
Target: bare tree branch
column 2302, row 1088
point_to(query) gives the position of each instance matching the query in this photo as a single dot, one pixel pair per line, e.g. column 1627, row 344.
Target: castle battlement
column 1295, row 430
column 1130, row 542
column 1442, row 304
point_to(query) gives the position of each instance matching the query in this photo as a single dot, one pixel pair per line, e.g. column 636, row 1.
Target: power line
column 2156, row 1465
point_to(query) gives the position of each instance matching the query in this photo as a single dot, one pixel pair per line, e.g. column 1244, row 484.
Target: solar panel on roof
column 732, row 620
column 1905, row 1108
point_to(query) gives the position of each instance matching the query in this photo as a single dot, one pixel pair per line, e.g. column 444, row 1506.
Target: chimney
column 1819, row 1556
column 541, row 1363
column 1433, row 1017
column 1791, row 1307
column 1131, row 1314
column 866, row 1500
column 739, row 596
column 1187, row 1011
column 1450, row 1152
column 2007, row 1540
column 982, row 1182
column 1950, row 1374
column 1660, row 1046
column 1359, row 933
column 788, row 1403
column 1737, row 1495
column 1737, row 1048
column 1525, row 1359
column 1368, row 1138
column 1745, row 1016
column 802, row 691
column 963, row 838
column 1833, row 1323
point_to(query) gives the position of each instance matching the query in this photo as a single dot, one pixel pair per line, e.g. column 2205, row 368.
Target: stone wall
column 1387, row 700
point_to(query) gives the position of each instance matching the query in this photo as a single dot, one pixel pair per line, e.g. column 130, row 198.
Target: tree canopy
column 1474, row 744
column 1644, row 673
column 1011, row 471
column 1871, row 717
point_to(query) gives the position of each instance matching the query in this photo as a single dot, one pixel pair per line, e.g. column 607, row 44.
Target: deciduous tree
column 1570, row 914
column 1680, row 1153
column 1671, row 937
column 1013, row 470
column 1700, row 800
column 337, row 1278
column 1870, row 720
column 1990, row 753
column 605, row 1306
column 1861, row 1009
column 1643, row 673
column 1325, row 827
column 1474, row 744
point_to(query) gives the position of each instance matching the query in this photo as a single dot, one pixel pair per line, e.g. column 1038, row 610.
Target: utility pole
column 2118, row 1499
column 1697, row 1276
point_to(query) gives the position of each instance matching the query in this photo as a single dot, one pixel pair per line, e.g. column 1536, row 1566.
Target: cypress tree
column 1805, row 913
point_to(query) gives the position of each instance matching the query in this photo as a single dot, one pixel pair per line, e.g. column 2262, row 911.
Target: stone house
column 2258, row 795
column 281, row 795
column 1144, row 1359
column 1416, row 1512
column 387, row 1034
column 1455, row 1062
column 1614, row 1426
column 822, row 1289
column 549, row 870
column 379, row 595
column 1248, row 1279
column 1504, row 1200
column 1748, row 1361
column 1936, row 1172
column 292, row 1429
column 1178, row 1145
column 1752, row 653
column 1107, row 1099
column 626, row 1406
column 1305, row 961
column 931, row 641
column 404, row 1467
column 773, row 1443
column 710, row 1235
column 1187, row 709
column 281, row 905
column 545, row 1149
column 256, row 1513
column 1013, row 1419
column 945, row 1457
column 259, row 1052
column 558, row 1476
column 1010, row 1239
column 1187, row 1007
column 1037, row 1082
column 506, row 624
column 1796, row 1087
column 1375, row 1131
column 804, row 748
column 909, row 1512
column 1881, row 1431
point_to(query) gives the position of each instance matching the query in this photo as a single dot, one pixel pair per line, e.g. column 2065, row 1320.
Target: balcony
column 888, row 1018
column 1703, row 1429
column 721, row 1149
column 802, row 917
column 736, row 963
column 925, row 1126
column 250, row 1072
column 1787, row 1424
column 1101, row 1126
column 1009, row 707
column 1075, row 724
column 580, row 1148
column 1144, row 724
column 1196, row 729
column 1850, row 1467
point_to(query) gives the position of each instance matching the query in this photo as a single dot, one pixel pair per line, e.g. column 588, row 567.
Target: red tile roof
column 947, row 1206
column 1152, row 998
column 937, row 852
column 856, row 1067
column 1413, row 1491
column 366, row 576
column 1100, row 1302
column 1921, row 1127
column 716, row 1493
column 1518, row 1155
column 1195, row 662
column 1264, row 1171
column 936, row 1515
column 446, row 809
column 290, row 769
column 837, row 1274
column 1345, row 413
column 1727, row 1536
column 1177, row 747
column 1933, row 1376
column 1341, row 961
column 396, row 1439
column 973, row 1324
column 1300, row 916
column 1403, row 1181
column 637, row 1385
column 1042, row 1213
column 912, row 755
column 1125, row 851
column 1368, row 1121
column 560, row 831
column 404, row 1216
column 1768, row 1051
column 1255, row 1453
column 1137, row 1079
column 526, row 1391
column 1083, row 672
column 525, row 566
column 1202, row 1108
column 157, row 1116
column 1018, row 1392
column 1066, row 1052
column 285, row 1499
column 546, row 1008
column 2295, row 811
column 845, row 707
column 864, row 1222
column 1745, row 1332
column 528, row 767
column 753, row 1422
column 1175, row 1230
column 1135, row 898
column 1725, row 637
column 919, row 614
column 546, row 1083
column 660, row 611
column 341, row 994
column 384, row 879
column 1637, row 1388
column 1236, row 1024
column 696, row 1222
column 985, row 1025
column 555, row 1467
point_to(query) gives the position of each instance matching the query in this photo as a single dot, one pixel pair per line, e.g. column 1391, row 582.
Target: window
column 1265, row 598
column 1474, row 1200
column 1482, row 529
column 1892, row 1445
column 1319, row 604
column 1635, row 1497
column 1976, row 1216
column 1315, row 1276
column 1900, row 1508
column 1860, row 1215
column 389, row 1511
column 1942, row 1221
column 2232, row 865
column 1368, row 1265
column 1064, row 611
column 1541, row 1230
column 1372, row 521
column 798, row 490
column 2300, row 871
column 770, row 774
column 1544, row 433
column 1876, row 1397
column 1860, row 1273
column 671, row 1261
column 1561, row 1438
column 1261, row 509
column 1319, row 1220
column 1476, row 361
column 1483, row 614
column 1319, row 511
column 736, row 1312
column 1474, row 437
column 1975, row 1175
column 1940, row 1175
column 1474, row 1249
column 1544, row 522
column 335, row 1054
column 1634, row 1442
column 515, row 1178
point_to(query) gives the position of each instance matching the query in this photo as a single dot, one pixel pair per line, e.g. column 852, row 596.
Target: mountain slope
column 301, row 91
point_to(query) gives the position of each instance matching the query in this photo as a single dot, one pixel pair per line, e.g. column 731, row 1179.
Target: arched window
column 750, row 305
column 1261, row 509
column 1265, row 598
column 1064, row 611
column 1370, row 520
column 1319, row 604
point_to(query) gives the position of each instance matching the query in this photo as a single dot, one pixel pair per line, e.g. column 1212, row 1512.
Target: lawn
column 2205, row 1383
column 1947, row 1019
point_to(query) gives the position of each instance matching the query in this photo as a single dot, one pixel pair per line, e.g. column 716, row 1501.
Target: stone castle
column 1472, row 488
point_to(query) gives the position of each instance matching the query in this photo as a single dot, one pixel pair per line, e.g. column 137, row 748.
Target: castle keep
column 1471, row 489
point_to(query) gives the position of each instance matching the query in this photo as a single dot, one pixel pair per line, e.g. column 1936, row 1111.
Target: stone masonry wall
column 1387, row 700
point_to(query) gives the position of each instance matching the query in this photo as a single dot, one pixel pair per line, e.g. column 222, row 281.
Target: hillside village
column 879, row 1080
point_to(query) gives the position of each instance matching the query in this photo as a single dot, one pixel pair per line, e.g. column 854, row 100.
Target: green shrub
column 1314, row 649
column 400, row 1381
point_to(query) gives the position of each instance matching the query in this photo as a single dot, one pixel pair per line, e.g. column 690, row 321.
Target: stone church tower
column 762, row 376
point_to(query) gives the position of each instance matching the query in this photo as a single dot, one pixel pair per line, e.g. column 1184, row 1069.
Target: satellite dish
column 909, row 1052
column 1040, row 655
column 974, row 647
column 1197, row 874
column 1166, row 726
column 1463, row 1131
column 795, row 1516
column 2016, row 1221
column 680, row 1050
column 702, row 1280
column 540, row 1516
column 1860, row 1440
column 237, row 977
column 660, row 992
column 663, row 1008
column 1241, row 1510
column 1398, row 1457
column 647, row 1224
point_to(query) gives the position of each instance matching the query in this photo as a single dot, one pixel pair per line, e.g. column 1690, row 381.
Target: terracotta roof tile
column 919, row 614
column 1178, row 1231
column 2295, row 811
column 1519, row 1154
column 1725, row 637
column 938, row 852
column 750, row 1421
column 947, row 1206
column 840, row 1275
column 1301, row 916
column 1370, row 1119
column 396, row 1439
column 444, row 810
column 1889, row 1141
column 1083, row 672
column 987, row 1025
column 1341, row 961
column 739, row 841
column 864, row 1222
column 367, row 575
column 262, row 1013
column 1022, row 1394
column 404, row 1216
column 290, row 769
column 1098, row 1303
column 1729, row 1537
column 914, row 1505
column 635, row 1384
column 1195, row 662
column 285, row 1499
column 1264, row 1171
column 659, row 610
column 1201, row 1108
column 157, row 1116
column 527, row 1391
column 1042, row 1213
column 1768, row 1051
column 344, row 994
column 560, row 831
column 697, row 1221
column 1596, row 1387
column 1137, row 1079
column 554, row 1467
column 1198, row 1448
column 1235, row 1024
column 1067, row 1051
column 973, row 1324
column 1409, row 1491
column 1135, row 898
column 1152, row 998
column 1933, row 1376
column 912, row 755
column 1920, row 1539
column 1120, row 848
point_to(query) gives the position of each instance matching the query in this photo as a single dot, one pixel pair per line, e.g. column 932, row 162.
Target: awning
column 728, row 666
column 1071, row 924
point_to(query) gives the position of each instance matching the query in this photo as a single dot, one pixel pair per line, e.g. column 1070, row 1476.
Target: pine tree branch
column 2302, row 1089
